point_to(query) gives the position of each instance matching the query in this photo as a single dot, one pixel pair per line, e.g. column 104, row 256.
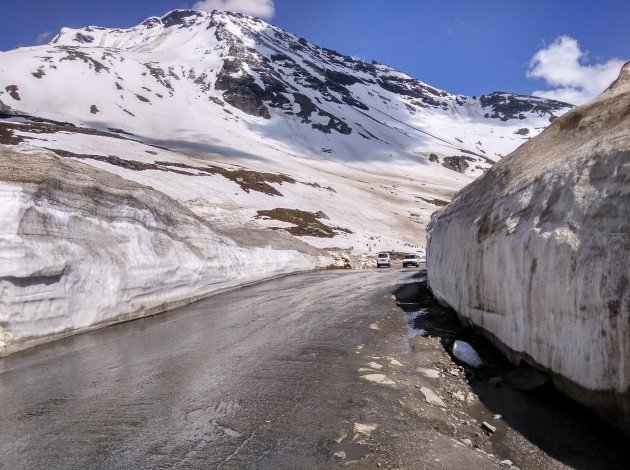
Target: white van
column 411, row 259
column 383, row 259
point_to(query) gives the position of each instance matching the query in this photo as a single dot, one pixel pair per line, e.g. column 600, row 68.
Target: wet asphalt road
column 286, row 374
column 260, row 377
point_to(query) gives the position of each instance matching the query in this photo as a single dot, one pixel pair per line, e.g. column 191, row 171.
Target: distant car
column 411, row 260
column 383, row 259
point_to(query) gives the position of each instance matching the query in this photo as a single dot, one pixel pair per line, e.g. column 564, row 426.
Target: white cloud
column 43, row 37
column 260, row 8
column 563, row 66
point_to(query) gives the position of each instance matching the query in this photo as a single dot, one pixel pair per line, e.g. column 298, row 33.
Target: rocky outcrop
column 82, row 247
column 506, row 106
column 4, row 109
column 457, row 163
column 535, row 254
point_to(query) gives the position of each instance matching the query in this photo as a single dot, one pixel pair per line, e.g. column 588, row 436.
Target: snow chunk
column 365, row 428
column 466, row 353
column 429, row 373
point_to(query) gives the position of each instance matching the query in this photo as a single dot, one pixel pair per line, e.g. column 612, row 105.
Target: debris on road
column 379, row 379
column 428, row 373
column 488, row 427
column 431, row 397
column 365, row 429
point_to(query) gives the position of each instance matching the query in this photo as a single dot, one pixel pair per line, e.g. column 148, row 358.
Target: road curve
column 309, row 371
column 262, row 376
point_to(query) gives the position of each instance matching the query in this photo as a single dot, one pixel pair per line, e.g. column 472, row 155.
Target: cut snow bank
column 81, row 247
column 536, row 253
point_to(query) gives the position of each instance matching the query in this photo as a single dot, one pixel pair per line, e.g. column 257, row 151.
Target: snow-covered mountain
column 232, row 82
column 144, row 168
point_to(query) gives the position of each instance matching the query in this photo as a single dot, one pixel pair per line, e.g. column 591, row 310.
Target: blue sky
column 464, row 46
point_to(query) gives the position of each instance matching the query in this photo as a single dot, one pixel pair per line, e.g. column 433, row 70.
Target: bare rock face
column 4, row 109
column 536, row 253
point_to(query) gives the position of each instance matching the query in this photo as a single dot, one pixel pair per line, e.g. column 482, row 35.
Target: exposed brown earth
column 248, row 180
column 12, row 90
column 306, row 224
column 434, row 201
column 41, row 126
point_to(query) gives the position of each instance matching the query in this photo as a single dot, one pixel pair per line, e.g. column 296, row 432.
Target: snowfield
column 535, row 253
column 147, row 167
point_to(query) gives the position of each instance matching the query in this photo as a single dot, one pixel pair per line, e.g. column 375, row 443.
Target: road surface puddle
column 356, row 448
column 350, row 450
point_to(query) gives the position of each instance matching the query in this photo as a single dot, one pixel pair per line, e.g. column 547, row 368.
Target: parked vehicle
column 411, row 260
column 383, row 259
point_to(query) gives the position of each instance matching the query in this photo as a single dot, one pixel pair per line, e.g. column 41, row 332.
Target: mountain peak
column 622, row 81
column 237, row 74
column 181, row 18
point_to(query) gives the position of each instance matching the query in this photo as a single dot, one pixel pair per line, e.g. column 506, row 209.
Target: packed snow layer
column 536, row 253
column 82, row 247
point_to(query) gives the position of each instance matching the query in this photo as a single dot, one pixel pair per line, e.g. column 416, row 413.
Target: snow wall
column 536, row 253
column 82, row 248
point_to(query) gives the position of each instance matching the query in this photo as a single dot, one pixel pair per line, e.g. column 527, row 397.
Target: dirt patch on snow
column 121, row 162
column 457, row 163
column 12, row 90
column 306, row 224
column 44, row 126
column 248, row 180
column 7, row 137
column 434, row 201
column 319, row 186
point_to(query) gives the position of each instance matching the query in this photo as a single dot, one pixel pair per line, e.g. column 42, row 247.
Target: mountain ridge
column 229, row 69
